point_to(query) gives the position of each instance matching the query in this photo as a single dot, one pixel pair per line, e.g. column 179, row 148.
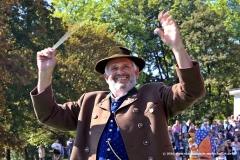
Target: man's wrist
column 44, row 80
column 178, row 49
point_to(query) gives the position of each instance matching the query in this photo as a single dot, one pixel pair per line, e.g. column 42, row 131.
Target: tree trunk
column 8, row 155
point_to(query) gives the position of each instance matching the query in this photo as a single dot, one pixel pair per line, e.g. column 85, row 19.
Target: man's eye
column 114, row 68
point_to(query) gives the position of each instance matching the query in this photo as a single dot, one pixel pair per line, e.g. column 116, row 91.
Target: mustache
column 121, row 75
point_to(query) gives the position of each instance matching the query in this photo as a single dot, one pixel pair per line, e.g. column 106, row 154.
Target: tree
column 231, row 11
column 6, row 66
column 27, row 27
column 90, row 11
column 214, row 47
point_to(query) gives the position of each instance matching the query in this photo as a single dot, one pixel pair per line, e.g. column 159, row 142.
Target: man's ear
column 105, row 77
column 137, row 72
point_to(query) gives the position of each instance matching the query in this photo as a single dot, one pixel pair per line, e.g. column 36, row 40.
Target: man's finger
column 48, row 52
column 160, row 33
column 162, row 15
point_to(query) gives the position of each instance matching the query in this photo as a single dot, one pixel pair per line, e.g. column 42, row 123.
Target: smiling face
column 121, row 75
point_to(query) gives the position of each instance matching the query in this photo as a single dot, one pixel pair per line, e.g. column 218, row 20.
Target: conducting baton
column 65, row 36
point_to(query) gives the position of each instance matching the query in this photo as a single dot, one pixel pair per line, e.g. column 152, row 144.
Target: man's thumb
column 160, row 33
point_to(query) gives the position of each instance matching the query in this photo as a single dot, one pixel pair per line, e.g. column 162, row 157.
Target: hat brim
column 100, row 66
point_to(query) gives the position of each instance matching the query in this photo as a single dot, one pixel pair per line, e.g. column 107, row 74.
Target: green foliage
column 31, row 28
column 74, row 74
column 231, row 11
column 212, row 45
column 27, row 27
column 77, row 11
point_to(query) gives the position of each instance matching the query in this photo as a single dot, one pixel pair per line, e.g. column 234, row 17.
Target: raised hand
column 170, row 34
column 46, row 62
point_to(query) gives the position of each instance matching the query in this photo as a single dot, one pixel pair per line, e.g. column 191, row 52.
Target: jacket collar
column 132, row 96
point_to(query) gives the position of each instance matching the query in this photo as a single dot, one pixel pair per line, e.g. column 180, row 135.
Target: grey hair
column 134, row 66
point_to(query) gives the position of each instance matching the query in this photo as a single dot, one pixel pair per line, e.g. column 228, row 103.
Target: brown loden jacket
column 142, row 117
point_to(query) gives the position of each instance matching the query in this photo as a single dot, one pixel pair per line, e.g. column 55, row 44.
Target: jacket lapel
column 105, row 104
column 132, row 97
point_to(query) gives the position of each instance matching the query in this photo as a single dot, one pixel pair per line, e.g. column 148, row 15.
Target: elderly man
column 127, row 123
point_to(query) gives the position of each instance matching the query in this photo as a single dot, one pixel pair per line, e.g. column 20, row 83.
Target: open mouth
column 121, row 78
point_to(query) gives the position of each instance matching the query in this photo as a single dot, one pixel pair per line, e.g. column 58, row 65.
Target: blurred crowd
column 58, row 150
column 226, row 136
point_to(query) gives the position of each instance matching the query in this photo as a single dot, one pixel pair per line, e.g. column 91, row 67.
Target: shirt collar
column 117, row 98
column 134, row 89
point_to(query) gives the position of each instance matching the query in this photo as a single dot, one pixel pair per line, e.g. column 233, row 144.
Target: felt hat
column 119, row 52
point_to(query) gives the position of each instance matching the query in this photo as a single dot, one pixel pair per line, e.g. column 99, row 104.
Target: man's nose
column 120, row 70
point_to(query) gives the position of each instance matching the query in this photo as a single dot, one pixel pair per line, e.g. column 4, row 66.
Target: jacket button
column 151, row 110
column 145, row 143
column 135, row 110
column 90, row 133
column 150, row 158
column 86, row 149
column 140, row 125
column 95, row 116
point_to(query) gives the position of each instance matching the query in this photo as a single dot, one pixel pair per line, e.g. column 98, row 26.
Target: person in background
column 221, row 155
column 231, row 132
column 41, row 152
column 205, row 121
column 228, row 125
column 181, row 148
column 56, row 149
column 189, row 123
column 176, row 130
column 178, row 156
column 227, row 135
column 180, row 139
column 219, row 122
column 238, row 126
column 229, row 150
column 171, row 137
column 236, row 146
column 233, row 123
column 213, row 125
column 184, row 128
column 235, row 135
column 185, row 141
column 205, row 125
column 225, row 124
column 69, row 147
column 184, row 157
column 61, row 156
column 211, row 133
column 221, row 139
column 220, row 128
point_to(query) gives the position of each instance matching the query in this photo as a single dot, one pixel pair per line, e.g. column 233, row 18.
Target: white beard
column 118, row 87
